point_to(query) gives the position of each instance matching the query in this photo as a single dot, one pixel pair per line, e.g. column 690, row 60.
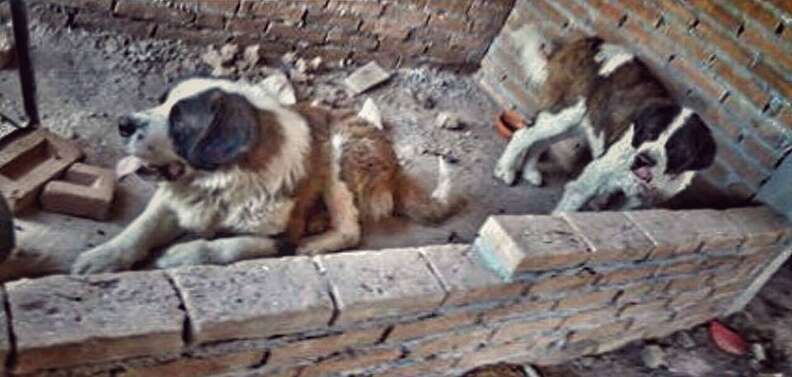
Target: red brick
column 685, row 299
column 102, row 5
column 594, row 318
column 684, row 267
column 715, row 230
column 525, row 328
column 145, row 10
column 718, row 13
column 94, row 22
column 514, row 352
column 648, row 11
column 560, row 283
column 308, row 350
column 352, row 363
column 689, row 283
column 697, row 79
column 212, row 7
column 420, row 368
column 776, row 80
column 365, row 8
column 747, row 86
column 458, row 341
column 548, row 13
column 454, row 7
column 622, row 276
column 688, row 43
column 195, row 367
column 637, row 293
column 29, row 161
column 448, row 24
column 85, row 191
column 600, row 332
column 769, row 48
column 433, row 325
column 276, row 11
column 346, row 23
column 761, row 225
column 652, row 308
column 757, row 149
column 587, row 300
column 297, row 34
column 519, row 309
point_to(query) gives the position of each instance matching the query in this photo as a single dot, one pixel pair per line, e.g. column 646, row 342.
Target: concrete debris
column 371, row 113
column 758, row 352
column 279, row 86
column 6, row 47
column 424, row 99
column 449, row 121
column 653, row 357
column 366, row 78
column 308, row 66
column 684, row 340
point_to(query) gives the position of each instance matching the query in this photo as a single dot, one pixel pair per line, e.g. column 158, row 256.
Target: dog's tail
column 413, row 201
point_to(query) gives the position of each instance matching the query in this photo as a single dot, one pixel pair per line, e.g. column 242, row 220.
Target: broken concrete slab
column 29, row 161
column 449, row 121
column 366, row 78
column 278, row 86
column 84, row 191
column 254, row 299
column 7, row 51
column 65, row 321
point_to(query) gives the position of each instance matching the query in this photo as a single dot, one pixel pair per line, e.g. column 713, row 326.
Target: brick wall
column 731, row 61
column 445, row 32
column 537, row 289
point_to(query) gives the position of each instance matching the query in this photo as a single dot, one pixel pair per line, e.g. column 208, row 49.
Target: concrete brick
column 518, row 309
column 253, row 299
column 352, row 363
column 433, row 325
column 85, row 191
column 307, row 351
column 761, row 225
column 668, row 234
column 388, row 283
column 198, row 367
column 525, row 328
column 514, row 244
column 458, row 341
column 593, row 318
column 366, row 78
column 29, row 161
column 66, row 321
column 611, row 236
column 465, row 277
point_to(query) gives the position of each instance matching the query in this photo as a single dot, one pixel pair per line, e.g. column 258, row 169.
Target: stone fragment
column 653, row 357
column 67, row 321
column 85, row 191
column 449, row 121
column 371, row 113
column 29, row 161
column 366, row 78
column 380, row 284
column 279, row 86
column 254, row 299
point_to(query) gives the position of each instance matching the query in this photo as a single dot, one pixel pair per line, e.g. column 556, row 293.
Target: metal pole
column 26, row 75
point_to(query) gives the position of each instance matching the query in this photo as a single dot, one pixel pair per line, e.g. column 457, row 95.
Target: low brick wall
column 730, row 60
column 444, row 32
column 537, row 289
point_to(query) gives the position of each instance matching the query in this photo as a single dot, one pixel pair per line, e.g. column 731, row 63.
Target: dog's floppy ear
column 213, row 128
column 691, row 147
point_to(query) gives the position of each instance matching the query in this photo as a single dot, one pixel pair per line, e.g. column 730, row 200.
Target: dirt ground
column 86, row 80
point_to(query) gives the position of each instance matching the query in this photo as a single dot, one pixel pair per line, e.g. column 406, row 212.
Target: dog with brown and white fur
column 249, row 175
column 645, row 147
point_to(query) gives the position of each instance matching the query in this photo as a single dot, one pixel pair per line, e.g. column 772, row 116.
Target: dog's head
column 198, row 126
column 670, row 140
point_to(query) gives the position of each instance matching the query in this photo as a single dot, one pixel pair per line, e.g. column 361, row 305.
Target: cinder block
column 253, row 299
column 515, row 244
column 466, row 278
column 669, row 235
column 85, row 191
column 381, row 284
column 67, row 321
column 31, row 160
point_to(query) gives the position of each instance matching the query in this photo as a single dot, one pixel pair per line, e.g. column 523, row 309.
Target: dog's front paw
column 186, row 254
column 505, row 172
column 532, row 176
column 105, row 258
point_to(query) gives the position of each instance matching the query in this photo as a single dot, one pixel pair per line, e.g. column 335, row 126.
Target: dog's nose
column 127, row 126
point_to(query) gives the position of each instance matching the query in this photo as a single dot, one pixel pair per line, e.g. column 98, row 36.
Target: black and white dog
column 645, row 147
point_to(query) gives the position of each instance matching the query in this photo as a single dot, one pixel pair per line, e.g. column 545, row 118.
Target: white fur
column 532, row 56
column 611, row 57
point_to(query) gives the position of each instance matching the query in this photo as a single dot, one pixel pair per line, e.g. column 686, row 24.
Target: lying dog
column 232, row 160
column 645, row 147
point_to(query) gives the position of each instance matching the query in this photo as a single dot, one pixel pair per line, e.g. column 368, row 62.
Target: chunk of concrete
column 371, row 113
column 84, row 191
column 255, row 299
column 29, row 161
column 366, row 78
column 67, row 321
column 278, row 86
column 449, row 121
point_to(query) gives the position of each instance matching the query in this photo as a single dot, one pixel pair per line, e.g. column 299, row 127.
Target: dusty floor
column 85, row 80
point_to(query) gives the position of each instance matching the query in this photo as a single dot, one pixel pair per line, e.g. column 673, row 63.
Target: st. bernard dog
column 645, row 147
column 250, row 175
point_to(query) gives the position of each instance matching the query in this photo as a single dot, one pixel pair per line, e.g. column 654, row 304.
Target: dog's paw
column 105, row 258
column 187, row 254
column 532, row 176
column 505, row 173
